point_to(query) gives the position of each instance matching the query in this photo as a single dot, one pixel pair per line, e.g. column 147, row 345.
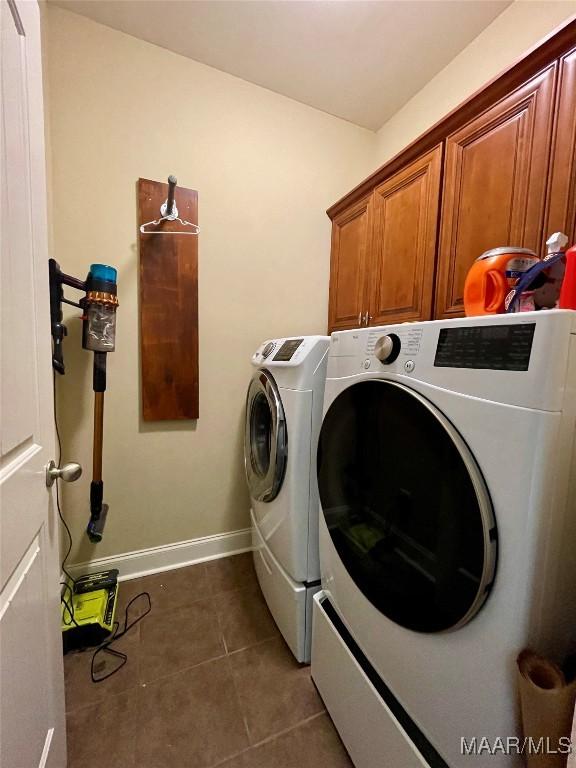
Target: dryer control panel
column 517, row 359
column 487, row 347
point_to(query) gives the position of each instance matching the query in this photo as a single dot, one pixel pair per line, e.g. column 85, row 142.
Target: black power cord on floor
column 106, row 646
column 66, row 596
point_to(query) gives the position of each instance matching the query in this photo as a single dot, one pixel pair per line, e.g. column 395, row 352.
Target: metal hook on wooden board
column 168, row 208
column 169, row 212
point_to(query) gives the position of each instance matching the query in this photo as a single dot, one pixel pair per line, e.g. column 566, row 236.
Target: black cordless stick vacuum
column 98, row 307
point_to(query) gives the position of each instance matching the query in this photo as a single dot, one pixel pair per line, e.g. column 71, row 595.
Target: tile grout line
column 145, row 683
column 90, row 651
column 220, row 629
column 272, row 736
column 141, row 683
column 238, row 701
column 207, row 595
column 254, row 645
column 245, row 719
column 226, row 654
column 287, row 730
column 81, row 707
column 269, row 739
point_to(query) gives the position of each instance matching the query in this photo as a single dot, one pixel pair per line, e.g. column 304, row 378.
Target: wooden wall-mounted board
column 168, row 307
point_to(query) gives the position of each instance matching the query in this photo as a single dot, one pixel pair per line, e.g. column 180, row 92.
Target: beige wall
column 266, row 169
column 521, row 26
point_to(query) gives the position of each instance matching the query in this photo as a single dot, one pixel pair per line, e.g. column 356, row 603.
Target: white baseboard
column 131, row 565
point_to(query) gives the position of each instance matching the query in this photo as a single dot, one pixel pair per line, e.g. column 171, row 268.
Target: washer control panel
column 287, row 352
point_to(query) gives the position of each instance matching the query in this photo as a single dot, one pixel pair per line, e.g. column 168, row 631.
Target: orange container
column 492, row 276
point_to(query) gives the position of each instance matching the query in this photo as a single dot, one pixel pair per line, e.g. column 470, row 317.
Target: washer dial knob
column 387, row 348
column 268, row 349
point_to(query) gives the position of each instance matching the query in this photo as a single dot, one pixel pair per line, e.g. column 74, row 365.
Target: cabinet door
column 351, row 232
column 495, row 182
column 401, row 271
column 561, row 213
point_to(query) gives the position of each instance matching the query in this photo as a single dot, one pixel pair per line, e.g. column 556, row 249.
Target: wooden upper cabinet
column 351, row 231
column 495, row 179
column 499, row 170
column 561, row 213
column 401, row 269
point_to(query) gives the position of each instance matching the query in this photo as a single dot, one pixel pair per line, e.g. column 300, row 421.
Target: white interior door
column 32, row 725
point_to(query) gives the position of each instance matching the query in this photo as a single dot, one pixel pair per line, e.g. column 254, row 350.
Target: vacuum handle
column 99, row 386
column 96, row 496
column 98, row 436
column 99, row 372
column 98, row 510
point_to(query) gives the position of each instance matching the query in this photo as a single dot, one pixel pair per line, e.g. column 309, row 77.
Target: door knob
column 69, row 472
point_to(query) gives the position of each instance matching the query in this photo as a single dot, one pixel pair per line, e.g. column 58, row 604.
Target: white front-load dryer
column 447, row 480
column 283, row 417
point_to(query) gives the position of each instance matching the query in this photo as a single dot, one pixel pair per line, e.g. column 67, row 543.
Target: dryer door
column 406, row 506
column 265, row 438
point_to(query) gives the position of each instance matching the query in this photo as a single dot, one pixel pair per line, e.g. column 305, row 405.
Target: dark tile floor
column 209, row 682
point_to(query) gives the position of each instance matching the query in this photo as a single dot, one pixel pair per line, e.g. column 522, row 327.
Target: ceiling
column 360, row 60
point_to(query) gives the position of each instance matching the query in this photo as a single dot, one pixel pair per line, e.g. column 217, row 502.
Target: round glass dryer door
column 265, row 438
column 406, row 506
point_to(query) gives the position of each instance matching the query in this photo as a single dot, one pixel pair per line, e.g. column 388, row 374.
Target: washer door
column 265, row 438
column 406, row 506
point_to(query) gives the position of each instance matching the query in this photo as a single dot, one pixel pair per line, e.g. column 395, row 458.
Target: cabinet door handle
column 359, row 318
column 366, row 319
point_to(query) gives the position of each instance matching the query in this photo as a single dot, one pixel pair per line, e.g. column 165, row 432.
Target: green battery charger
column 88, row 610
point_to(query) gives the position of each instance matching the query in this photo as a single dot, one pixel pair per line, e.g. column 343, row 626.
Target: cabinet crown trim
column 537, row 59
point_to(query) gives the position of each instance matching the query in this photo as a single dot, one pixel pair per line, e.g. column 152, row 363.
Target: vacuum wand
column 98, row 510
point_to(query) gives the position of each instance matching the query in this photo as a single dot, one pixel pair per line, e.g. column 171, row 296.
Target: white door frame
column 32, row 721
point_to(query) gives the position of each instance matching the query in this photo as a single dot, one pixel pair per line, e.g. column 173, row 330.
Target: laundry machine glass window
column 261, row 434
column 406, row 506
column 265, row 438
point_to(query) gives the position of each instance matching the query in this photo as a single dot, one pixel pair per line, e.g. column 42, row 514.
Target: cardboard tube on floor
column 547, row 705
column 571, row 762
